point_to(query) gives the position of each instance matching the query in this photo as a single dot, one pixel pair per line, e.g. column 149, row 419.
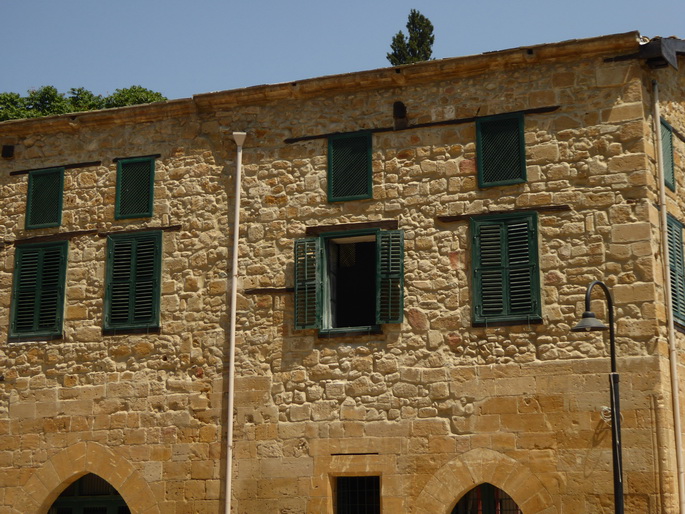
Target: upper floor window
column 44, row 198
column 349, row 167
column 38, row 290
column 676, row 266
column 349, row 280
column 667, row 152
column 506, row 282
column 132, row 289
column 135, row 188
column 501, row 152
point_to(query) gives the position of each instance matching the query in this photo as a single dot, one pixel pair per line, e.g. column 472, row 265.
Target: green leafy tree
column 418, row 46
column 133, row 95
column 47, row 101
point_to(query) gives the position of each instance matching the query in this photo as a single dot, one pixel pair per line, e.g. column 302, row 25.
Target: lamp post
column 589, row 322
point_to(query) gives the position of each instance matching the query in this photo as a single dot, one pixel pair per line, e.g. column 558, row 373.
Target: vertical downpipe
column 672, row 350
column 239, row 138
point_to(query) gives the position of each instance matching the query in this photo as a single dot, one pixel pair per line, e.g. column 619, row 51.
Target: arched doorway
column 90, row 494
column 486, row 499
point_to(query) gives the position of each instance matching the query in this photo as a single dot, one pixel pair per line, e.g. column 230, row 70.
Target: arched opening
column 486, row 499
column 90, row 494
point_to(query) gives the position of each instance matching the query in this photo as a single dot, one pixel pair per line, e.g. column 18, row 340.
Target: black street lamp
column 587, row 323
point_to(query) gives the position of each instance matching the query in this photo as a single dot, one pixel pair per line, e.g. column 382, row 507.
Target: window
column 677, row 268
column 358, row 495
column 501, row 152
column 38, row 291
column 44, row 198
column 505, row 269
column 349, row 280
column 486, row 499
column 349, row 167
column 90, row 494
column 135, row 188
column 133, row 277
column 667, row 151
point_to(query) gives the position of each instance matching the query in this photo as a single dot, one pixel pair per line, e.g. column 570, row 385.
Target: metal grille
column 135, row 188
column 500, row 150
column 44, row 198
column 358, row 495
column 349, row 167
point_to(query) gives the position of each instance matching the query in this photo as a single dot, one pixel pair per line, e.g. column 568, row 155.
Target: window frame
column 482, row 149
column 28, row 225
column 508, row 316
column 56, row 332
column 667, row 152
column 331, row 172
column 148, row 212
column 312, row 301
column 153, row 321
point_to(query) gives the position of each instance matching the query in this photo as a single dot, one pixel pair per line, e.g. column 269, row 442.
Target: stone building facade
column 376, row 336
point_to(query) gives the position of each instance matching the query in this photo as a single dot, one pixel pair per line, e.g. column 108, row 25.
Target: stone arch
column 460, row 475
column 48, row 482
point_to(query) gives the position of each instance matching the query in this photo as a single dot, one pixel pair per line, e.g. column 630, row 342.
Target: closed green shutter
column 44, row 198
column 500, row 150
column 349, row 167
column 390, row 276
column 308, row 283
column 38, row 293
column 133, row 281
column 135, row 188
column 505, row 269
column 677, row 268
column 667, row 151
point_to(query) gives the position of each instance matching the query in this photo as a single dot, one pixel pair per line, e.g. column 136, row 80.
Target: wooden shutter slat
column 307, row 283
column 667, row 152
column 390, row 277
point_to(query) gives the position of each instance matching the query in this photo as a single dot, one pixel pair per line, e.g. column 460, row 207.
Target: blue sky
column 181, row 48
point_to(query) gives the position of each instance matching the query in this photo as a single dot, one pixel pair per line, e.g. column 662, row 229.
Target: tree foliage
column 418, row 46
column 47, row 101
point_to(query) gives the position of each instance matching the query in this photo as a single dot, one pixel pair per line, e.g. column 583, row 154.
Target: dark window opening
column 486, row 499
column 399, row 115
column 352, row 282
column 90, row 494
column 358, row 495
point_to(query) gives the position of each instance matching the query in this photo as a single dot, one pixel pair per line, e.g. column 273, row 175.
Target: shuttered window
column 133, row 278
column 135, row 187
column 38, row 292
column 349, row 280
column 501, row 151
column 44, row 198
column 505, row 269
column 677, row 268
column 667, row 151
column 349, row 167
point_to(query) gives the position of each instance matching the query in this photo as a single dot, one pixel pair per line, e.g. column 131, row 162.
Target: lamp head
column 589, row 322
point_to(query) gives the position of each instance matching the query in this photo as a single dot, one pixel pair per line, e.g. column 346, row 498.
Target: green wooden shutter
column 667, row 151
column 135, row 188
column 38, row 296
column 44, row 198
column 349, row 167
column 133, row 281
column 505, row 269
column 390, row 276
column 677, row 268
column 500, row 144
column 308, row 283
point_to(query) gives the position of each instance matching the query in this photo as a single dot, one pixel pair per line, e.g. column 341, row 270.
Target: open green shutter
column 135, row 188
column 38, row 301
column 44, row 198
column 133, row 281
column 390, row 276
column 677, row 268
column 488, row 270
column 667, row 151
column 349, row 167
column 307, row 283
column 500, row 150
column 521, row 266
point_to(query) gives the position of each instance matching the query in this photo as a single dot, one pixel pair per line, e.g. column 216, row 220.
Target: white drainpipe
column 239, row 138
column 672, row 351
